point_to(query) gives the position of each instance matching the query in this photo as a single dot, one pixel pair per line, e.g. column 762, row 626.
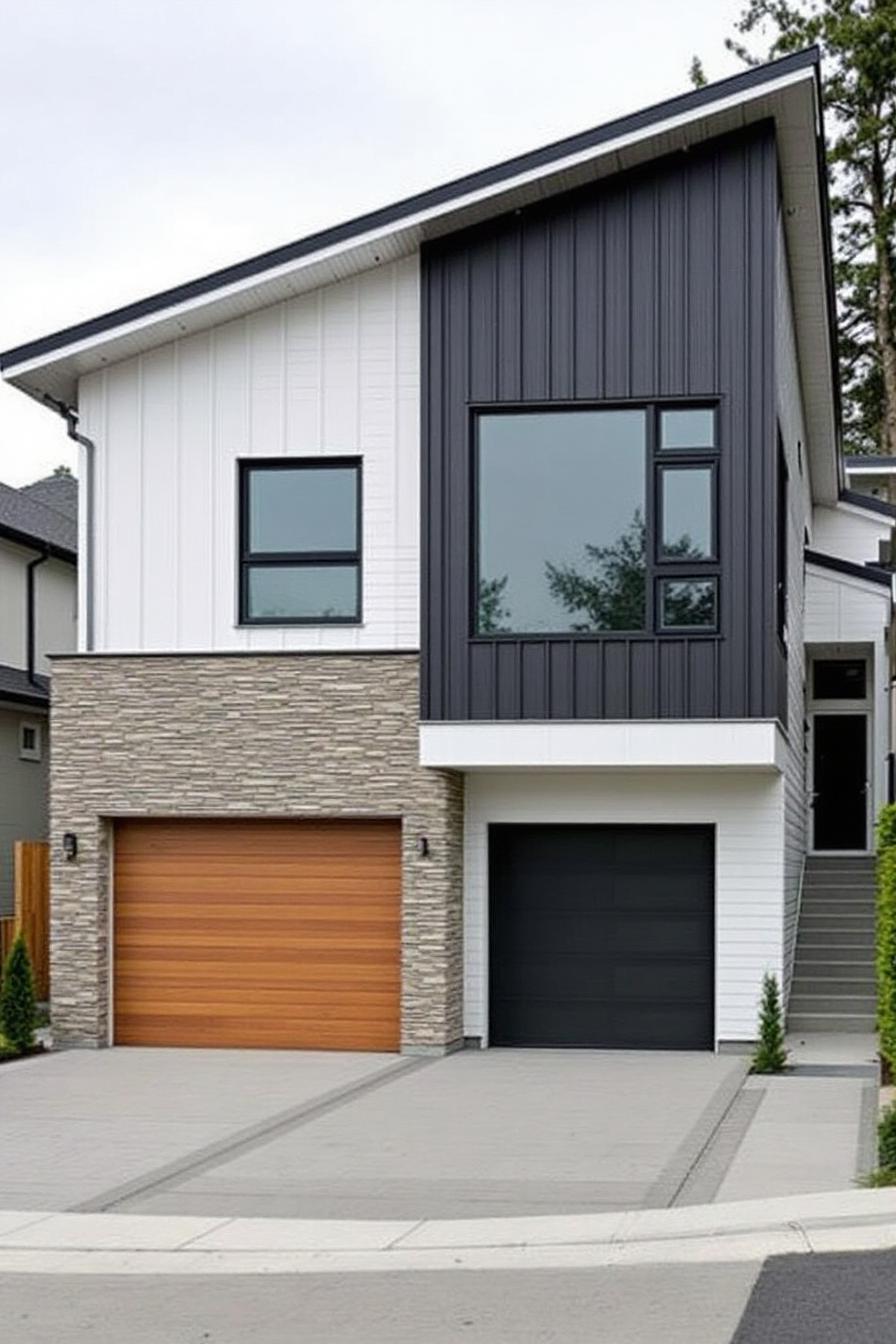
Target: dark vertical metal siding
column 658, row 283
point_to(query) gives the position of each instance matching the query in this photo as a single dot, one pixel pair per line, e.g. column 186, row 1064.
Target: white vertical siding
column 789, row 407
column 332, row 372
column 846, row 532
column 748, row 814
column 13, row 635
column 55, row 601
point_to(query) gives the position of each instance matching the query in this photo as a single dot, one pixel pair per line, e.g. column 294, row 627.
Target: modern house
column 38, row 602
column 871, row 475
column 475, row 639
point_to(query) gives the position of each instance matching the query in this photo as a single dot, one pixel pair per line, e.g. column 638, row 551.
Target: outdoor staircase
column 833, row 985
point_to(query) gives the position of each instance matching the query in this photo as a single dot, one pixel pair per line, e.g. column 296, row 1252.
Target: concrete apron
column 90, row 1243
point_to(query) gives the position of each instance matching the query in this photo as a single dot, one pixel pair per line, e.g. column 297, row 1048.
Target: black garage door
column 601, row 936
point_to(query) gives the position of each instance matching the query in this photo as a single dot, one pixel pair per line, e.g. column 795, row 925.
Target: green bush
column 886, row 827
column 770, row 1055
column 18, row 1006
column 886, row 934
column 886, row 1139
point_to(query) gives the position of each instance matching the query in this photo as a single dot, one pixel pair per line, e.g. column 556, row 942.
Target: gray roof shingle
column 27, row 515
column 14, row 685
column 59, row 492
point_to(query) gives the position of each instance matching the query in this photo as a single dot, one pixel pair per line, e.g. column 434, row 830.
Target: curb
column 76, row 1243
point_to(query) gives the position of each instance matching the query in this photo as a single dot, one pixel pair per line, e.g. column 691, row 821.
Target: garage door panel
column 583, row 977
column 560, row 933
column 268, row 934
column 602, row 936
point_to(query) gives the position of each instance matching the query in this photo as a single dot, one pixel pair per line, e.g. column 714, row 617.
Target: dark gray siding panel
column 651, row 284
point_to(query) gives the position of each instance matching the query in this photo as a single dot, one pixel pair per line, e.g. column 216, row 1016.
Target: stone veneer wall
column 280, row 735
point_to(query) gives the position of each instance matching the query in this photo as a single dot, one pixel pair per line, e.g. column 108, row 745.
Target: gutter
column 70, row 416
column 30, row 621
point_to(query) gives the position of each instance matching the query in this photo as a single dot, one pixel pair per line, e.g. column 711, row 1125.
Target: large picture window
column 596, row 520
column 562, row 522
column 300, row 541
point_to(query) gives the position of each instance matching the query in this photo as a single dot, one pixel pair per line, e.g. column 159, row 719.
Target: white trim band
column 724, row 744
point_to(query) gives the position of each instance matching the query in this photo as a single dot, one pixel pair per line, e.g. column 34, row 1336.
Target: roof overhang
column 785, row 92
column 48, row 548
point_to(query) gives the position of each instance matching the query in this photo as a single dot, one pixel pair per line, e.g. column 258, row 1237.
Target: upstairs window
column 300, row 541
column 592, row 521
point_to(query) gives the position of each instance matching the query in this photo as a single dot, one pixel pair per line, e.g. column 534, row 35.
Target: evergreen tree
column 858, row 44
column 18, row 1005
column 770, row 1055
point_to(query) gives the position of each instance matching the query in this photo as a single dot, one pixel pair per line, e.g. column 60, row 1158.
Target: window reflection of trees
column 607, row 589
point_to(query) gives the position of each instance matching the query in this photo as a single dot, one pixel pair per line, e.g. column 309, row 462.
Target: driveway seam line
column 666, row 1187
column 244, row 1140
column 704, row 1181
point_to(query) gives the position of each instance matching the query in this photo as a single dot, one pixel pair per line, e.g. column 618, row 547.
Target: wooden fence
column 32, row 916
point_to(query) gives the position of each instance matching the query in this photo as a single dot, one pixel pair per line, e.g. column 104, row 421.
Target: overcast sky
column 149, row 141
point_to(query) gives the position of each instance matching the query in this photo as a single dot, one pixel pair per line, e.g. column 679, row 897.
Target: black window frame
column 657, row 567
column 679, row 630
column 288, row 559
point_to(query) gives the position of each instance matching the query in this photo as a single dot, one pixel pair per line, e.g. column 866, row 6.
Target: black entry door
column 601, row 936
column 839, row 783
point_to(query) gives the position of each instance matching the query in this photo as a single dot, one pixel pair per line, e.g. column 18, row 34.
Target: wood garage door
column 257, row 933
column 602, row 936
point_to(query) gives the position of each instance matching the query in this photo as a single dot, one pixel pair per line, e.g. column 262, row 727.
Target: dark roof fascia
column 38, row 544
column 410, row 205
column 37, row 700
column 870, row 573
column 860, row 501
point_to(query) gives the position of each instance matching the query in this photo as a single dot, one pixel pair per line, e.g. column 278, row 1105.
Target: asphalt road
column 823, row 1299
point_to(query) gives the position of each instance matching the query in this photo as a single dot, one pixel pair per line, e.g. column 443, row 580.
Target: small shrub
column 18, row 1007
column 886, row 1139
column 875, row 1180
column 770, row 1055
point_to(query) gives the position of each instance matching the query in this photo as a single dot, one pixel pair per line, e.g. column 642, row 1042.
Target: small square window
column 838, row 679
column 693, row 427
column 300, row 541
column 688, row 604
column 29, row 741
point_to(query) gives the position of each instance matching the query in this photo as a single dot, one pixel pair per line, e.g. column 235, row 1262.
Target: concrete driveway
column 357, row 1136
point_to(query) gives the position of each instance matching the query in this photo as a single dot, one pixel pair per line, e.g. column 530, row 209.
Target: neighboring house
column 471, row 597
column 38, row 601
column 872, row 475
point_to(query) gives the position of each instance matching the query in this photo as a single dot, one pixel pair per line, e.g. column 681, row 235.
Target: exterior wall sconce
column 423, row 847
column 70, row 845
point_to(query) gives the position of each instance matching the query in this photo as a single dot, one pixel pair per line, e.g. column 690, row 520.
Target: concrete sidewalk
column 72, row 1243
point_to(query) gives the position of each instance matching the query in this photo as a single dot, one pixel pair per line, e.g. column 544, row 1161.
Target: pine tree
column 858, row 46
column 18, row 1005
column 770, row 1055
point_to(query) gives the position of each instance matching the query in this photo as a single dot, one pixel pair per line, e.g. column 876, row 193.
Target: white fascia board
column 725, row 744
column 879, row 470
column 417, row 221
